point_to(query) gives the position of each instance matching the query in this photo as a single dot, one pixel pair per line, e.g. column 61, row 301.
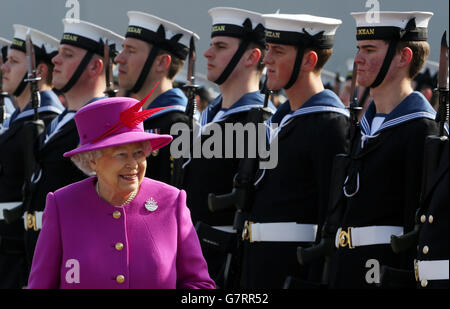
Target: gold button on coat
column 119, row 246
column 423, row 218
column 430, row 219
column 424, row 283
column 425, row 249
column 120, row 278
column 116, row 214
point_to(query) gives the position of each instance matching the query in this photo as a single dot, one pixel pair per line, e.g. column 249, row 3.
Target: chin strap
column 390, row 53
column 248, row 35
column 145, row 69
column 297, row 66
column 21, row 86
column 76, row 75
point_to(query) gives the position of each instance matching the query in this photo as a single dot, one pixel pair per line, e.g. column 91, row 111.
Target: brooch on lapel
column 151, row 204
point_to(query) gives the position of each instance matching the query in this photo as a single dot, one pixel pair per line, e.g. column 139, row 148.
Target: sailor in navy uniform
column 154, row 51
column 12, row 165
column 309, row 130
column 382, row 187
column 8, row 106
column 81, row 40
column 431, row 264
column 235, row 65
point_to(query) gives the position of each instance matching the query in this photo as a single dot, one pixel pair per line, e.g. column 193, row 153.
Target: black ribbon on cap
column 247, row 35
column 77, row 40
column 158, row 38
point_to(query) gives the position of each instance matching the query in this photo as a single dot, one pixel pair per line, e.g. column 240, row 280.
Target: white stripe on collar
column 5, row 125
column 56, row 125
column 168, row 110
column 273, row 129
column 30, row 112
column 365, row 127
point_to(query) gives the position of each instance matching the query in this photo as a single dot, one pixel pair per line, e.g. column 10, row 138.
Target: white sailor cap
column 45, row 46
column 4, row 42
column 238, row 23
column 89, row 36
column 403, row 26
column 159, row 32
column 301, row 30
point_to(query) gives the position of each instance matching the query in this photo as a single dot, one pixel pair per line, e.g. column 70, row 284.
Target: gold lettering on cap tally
column 365, row 31
column 70, row 37
column 134, row 30
column 218, row 28
column 272, row 34
column 17, row 43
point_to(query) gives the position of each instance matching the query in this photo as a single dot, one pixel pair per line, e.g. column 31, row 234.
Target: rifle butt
column 404, row 242
column 223, row 202
column 12, row 215
column 310, row 254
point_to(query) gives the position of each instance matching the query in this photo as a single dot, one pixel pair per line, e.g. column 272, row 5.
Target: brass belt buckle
column 247, row 231
column 31, row 221
column 345, row 238
column 416, row 270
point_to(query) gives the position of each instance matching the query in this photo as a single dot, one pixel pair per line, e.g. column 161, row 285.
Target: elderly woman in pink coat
column 117, row 229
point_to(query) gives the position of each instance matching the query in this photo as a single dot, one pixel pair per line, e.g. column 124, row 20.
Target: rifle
column 240, row 196
column 31, row 130
column 32, row 77
column 110, row 91
column 242, row 182
column 2, row 95
column 191, row 89
column 354, row 106
column 432, row 150
column 326, row 246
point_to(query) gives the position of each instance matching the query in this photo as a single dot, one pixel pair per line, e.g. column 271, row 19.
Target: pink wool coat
column 87, row 243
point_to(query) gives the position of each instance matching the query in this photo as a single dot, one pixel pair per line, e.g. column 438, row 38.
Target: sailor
column 309, row 130
column 13, row 154
column 6, row 106
column 234, row 58
column 79, row 73
column 154, row 51
column 382, row 187
column 431, row 264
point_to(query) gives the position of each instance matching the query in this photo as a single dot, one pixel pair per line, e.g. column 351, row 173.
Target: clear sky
column 46, row 15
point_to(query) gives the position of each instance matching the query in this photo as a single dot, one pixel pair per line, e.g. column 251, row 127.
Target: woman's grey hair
column 81, row 160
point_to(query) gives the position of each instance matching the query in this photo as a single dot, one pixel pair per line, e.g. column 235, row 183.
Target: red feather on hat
column 131, row 117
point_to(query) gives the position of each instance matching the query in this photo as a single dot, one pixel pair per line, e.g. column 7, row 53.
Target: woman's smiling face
column 121, row 169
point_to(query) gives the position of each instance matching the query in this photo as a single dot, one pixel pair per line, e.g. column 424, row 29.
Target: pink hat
column 112, row 122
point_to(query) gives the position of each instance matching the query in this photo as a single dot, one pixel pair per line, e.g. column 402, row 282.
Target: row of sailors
column 290, row 203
